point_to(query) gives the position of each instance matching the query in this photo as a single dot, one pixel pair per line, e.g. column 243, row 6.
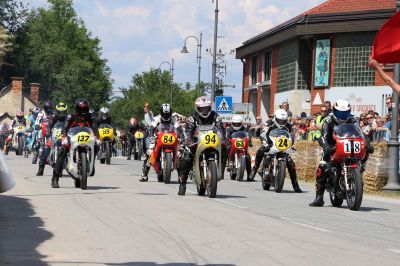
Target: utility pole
column 214, row 62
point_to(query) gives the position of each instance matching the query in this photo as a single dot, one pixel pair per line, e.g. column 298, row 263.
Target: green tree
column 12, row 15
column 154, row 88
column 56, row 50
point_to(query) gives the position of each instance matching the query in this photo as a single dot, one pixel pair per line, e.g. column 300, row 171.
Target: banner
column 322, row 63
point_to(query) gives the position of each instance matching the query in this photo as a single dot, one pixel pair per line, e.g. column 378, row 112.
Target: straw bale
column 376, row 173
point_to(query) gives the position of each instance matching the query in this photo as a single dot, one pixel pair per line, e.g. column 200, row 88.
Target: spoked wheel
column 280, row 176
column 355, row 193
column 212, row 179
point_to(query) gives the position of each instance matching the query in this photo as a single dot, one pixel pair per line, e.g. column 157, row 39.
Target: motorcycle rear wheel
column 212, row 179
column 280, row 176
column 355, row 194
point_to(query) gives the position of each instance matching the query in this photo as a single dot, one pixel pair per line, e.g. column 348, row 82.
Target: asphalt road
column 120, row 221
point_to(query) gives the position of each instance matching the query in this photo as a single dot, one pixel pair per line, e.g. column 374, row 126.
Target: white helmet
column 203, row 106
column 341, row 111
column 104, row 112
column 280, row 118
column 237, row 122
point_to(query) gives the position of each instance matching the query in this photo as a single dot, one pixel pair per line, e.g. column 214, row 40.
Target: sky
column 137, row 35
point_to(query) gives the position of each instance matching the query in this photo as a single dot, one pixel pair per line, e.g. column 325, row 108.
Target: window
column 267, row 66
column 305, row 65
column 287, row 67
column 254, row 69
column 352, row 56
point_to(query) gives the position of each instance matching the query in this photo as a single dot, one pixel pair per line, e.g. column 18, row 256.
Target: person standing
column 285, row 106
column 328, row 106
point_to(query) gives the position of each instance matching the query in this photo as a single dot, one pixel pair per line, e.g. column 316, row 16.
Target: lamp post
column 198, row 57
column 214, row 62
column 393, row 182
column 171, row 69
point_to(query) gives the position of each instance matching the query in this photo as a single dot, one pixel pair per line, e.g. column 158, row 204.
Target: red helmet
column 133, row 122
column 19, row 115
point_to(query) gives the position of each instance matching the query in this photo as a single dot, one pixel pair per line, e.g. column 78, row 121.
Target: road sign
column 223, row 104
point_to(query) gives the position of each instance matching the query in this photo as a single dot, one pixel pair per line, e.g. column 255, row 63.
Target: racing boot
column 252, row 174
column 40, row 171
column 54, row 182
column 145, row 174
column 182, row 186
column 319, row 200
column 295, row 184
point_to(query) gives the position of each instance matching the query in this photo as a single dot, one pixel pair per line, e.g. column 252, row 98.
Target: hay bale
column 376, row 173
column 307, row 158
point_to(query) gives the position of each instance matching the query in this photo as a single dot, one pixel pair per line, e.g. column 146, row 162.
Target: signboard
column 247, row 118
column 223, row 104
column 322, row 63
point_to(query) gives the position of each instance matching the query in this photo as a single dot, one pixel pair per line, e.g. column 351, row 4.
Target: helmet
column 133, row 122
column 104, row 113
column 237, row 122
column 48, row 107
column 280, row 118
column 166, row 112
column 82, row 107
column 61, row 110
column 19, row 115
column 203, row 106
column 341, row 111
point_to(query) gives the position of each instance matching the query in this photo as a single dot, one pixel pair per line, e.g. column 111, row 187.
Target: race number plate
column 239, row 143
column 168, row 139
column 348, row 146
column 83, row 138
column 282, row 143
column 211, row 140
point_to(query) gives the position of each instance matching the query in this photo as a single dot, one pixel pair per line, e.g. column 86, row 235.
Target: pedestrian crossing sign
column 223, row 104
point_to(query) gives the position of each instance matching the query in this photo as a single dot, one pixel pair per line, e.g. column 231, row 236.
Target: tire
column 108, row 152
column 84, row 170
column 26, row 152
column 335, row 200
column 280, row 176
column 201, row 190
column 355, row 195
column 140, row 150
column 212, row 179
column 77, row 182
column 102, row 160
column 242, row 166
column 168, row 167
column 265, row 184
column 20, row 146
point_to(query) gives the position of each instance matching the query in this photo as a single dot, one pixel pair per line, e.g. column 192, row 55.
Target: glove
column 370, row 149
column 98, row 142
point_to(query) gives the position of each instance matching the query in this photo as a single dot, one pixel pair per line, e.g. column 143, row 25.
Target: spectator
column 328, row 106
column 369, row 127
column 256, row 129
column 389, row 104
column 388, row 121
column 319, row 121
column 4, row 130
column 381, row 132
column 285, row 106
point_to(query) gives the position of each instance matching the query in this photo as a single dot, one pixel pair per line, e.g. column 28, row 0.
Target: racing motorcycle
column 139, row 136
column 35, row 146
column 81, row 155
column 106, row 137
column 55, row 142
column 345, row 179
column 274, row 161
column 17, row 140
column 207, row 160
column 238, row 155
column 164, row 157
column 28, row 142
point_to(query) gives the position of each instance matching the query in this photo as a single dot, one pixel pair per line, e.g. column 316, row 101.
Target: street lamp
column 171, row 69
column 198, row 56
column 393, row 182
column 214, row 62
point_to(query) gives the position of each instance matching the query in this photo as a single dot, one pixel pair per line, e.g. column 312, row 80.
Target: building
column 13, row 99
column 319, row 55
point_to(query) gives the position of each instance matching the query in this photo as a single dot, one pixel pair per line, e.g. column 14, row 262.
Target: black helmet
column 82, row 107
column 61, row 110
column 166, row 112
column 48, row 107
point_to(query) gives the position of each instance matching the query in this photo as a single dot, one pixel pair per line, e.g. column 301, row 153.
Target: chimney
column 17, row 85
column 35, row 89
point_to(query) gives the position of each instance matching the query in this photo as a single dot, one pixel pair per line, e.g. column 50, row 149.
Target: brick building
column 319, row 55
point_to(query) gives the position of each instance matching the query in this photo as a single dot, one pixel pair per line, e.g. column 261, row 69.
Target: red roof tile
column 343, row 6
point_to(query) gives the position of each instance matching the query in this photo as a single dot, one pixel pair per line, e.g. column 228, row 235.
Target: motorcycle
column 17, row 140
column 55, row 142
column 345, row 179
column 106, row 136
column 139, row 136
column 81, row 155
column 207, row 160
column 35, row 146
column 164, row 157
column 274, row 161
column 238, row 155
column 28, row 142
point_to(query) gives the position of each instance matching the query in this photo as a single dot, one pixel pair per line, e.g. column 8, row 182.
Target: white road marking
column 394, row 250
column 306, row 225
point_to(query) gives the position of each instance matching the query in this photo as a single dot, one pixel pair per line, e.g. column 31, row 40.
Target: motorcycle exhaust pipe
column 6, row 179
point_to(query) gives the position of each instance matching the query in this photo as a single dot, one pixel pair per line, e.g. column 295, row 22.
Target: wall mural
column 322, row 63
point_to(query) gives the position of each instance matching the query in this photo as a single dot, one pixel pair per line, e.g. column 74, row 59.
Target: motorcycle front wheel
column 84, row 170
column 242, row 166
column 108, row 152
column 355, row 193
column 167, row 169
column 280, row 176
column 212, row 179
column 265, row 178
column 20, row 145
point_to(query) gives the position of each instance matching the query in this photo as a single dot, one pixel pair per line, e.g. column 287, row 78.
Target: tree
column 5, row 45
column 56, row 50
column 154, row 88
column 12, row 15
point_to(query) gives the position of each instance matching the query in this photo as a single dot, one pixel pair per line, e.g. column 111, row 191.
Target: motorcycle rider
column 203, row 116
column 18, row 120
column 105, row 118
column 165, row 118
column 341, row 114
column 280, row 121
column 80, row 117
column 60, row 115
column 133, row 126
column 236, row 126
